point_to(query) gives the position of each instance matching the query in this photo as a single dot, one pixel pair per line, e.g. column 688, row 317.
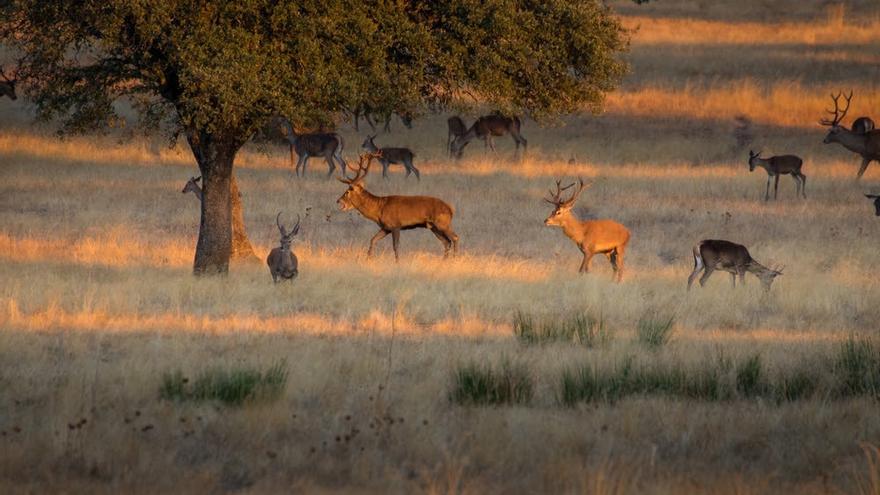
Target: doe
column 387, row 156
column 711, row 255
column 780, row 165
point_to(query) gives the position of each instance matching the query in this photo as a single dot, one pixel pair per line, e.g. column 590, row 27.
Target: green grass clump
column 230, row 386
column 655, row 331
column 857, row 368
column 749, row 378
column 579, row 328
column 476, row 384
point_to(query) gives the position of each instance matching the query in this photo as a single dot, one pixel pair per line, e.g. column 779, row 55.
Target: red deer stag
column 387, row 156
column 485, row 128
column 456, row 128
column 7, row 86
column 866, row 144
column 329, row 145
column 592, row 236
column 876, row 198
column 711, row 255
column 282, row 262
column 780, row 165
column 396, row 213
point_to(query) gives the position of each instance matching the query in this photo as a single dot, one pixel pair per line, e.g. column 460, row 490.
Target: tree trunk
column 241, row 245
column 215, row 156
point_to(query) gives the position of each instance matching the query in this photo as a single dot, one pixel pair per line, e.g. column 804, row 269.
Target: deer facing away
column 711, row 255
column 485, row 128
column 780, row 165
column 396, row 213
column 304, row 146
column 387, row 156
column 592, row 236
column 866, row 144
column 282, row 262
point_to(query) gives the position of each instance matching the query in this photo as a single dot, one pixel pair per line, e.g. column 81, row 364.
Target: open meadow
column 372, row 369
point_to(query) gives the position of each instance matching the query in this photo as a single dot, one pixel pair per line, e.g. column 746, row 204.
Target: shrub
column 655, row 331
column 580, row 328
column 476, row 384
column 233, row 386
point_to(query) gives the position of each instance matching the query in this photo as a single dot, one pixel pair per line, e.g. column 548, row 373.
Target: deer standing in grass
column 304, row 146
column 711, row 255
column 780, row 165
column 387, row 156
column 456, row 128
column 866, row 144
column 7, row 86
column 282, row 262
column 396, row 213
column 591, row 236
column 485, row 128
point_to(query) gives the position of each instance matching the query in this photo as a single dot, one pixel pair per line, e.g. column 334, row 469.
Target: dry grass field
column 98, row 307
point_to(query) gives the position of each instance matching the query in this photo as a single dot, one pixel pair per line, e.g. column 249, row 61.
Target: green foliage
column 579, row 328
column 655, row 331
column 857, row 367
column 234, row 386
column 476, row 384
column 748, row 376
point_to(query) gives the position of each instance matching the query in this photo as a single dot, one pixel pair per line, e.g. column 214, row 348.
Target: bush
column 579, row 328
column 475, row 384
column 655, row 331
column 234, row 386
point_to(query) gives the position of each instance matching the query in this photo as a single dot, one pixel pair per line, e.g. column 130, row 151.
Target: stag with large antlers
column 592, row 236
column 282, row 262
column 711, row 255
column 866, row 144
column 304, row 146
column 396, row 213
column 7, row 85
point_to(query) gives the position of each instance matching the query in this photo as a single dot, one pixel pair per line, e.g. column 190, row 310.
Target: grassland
column 98, row 307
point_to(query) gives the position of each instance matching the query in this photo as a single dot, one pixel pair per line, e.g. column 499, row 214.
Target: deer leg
column 490, row 142
column 447, row 243
column 693, row 275
column 293, row 163
column 342, row 165
column 865, row 162
column 378, row 237
column 330, row 165
column 776, row 187
column 706, row 274
column 733, row 279
column 301, row 164
column 742, row 277
column 395, row 239
column 414, row 169
column 588, row 260
column 804, row 186
column 767, row 192
column 618, row 262
column 385, row 164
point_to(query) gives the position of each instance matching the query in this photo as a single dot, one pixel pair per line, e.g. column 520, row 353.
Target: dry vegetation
column 97, row 304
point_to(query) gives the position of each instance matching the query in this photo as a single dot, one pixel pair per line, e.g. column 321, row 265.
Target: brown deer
column 192, row 185
column 326, row 144
column 396, row 213
column 592, row 236
column 485, row 128
column 866, row 144
column 780, row 165
column 457, row 128
column 387, row 156
column 282, row 262
column 876, row 198
column 7, row 86
column 711, row 255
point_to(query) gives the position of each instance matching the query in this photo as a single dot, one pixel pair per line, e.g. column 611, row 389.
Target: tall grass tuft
column 749, row 379
column 654, row 331
column 476, row 384
column 579, row 328
column 230, row 386
column 857, row 367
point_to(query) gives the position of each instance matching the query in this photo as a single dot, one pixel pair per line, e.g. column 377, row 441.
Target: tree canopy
column 217, row 71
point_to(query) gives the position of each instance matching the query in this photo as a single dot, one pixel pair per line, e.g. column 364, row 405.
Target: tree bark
column 215, row 156
column 241, row 245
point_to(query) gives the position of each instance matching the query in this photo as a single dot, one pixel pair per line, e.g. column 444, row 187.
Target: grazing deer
column 192, row 185
column 7, row 86
column 862, row 125
column 780, row 165
column 876, row 198
column 866, row 144
column 457, row 128
column 592, row 236
column 387, row 156
column 487, row 126
column 396, row 213
column 282, row 262
column 329, row 145
column 711, row 255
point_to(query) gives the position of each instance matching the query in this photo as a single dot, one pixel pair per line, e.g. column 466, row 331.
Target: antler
column 362, row 169
column 838, row 115
column 295, row 227
column 280, row 227
column 580, row 189
column 752, row 154
column 554, row 196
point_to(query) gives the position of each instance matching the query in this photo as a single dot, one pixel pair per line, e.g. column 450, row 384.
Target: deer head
column 355, row 184
column 192, row 185
column 838, row 114
column 369, row 145
column 286, row 237
column 768, row 275
column 753, row 160
column 563, row 206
